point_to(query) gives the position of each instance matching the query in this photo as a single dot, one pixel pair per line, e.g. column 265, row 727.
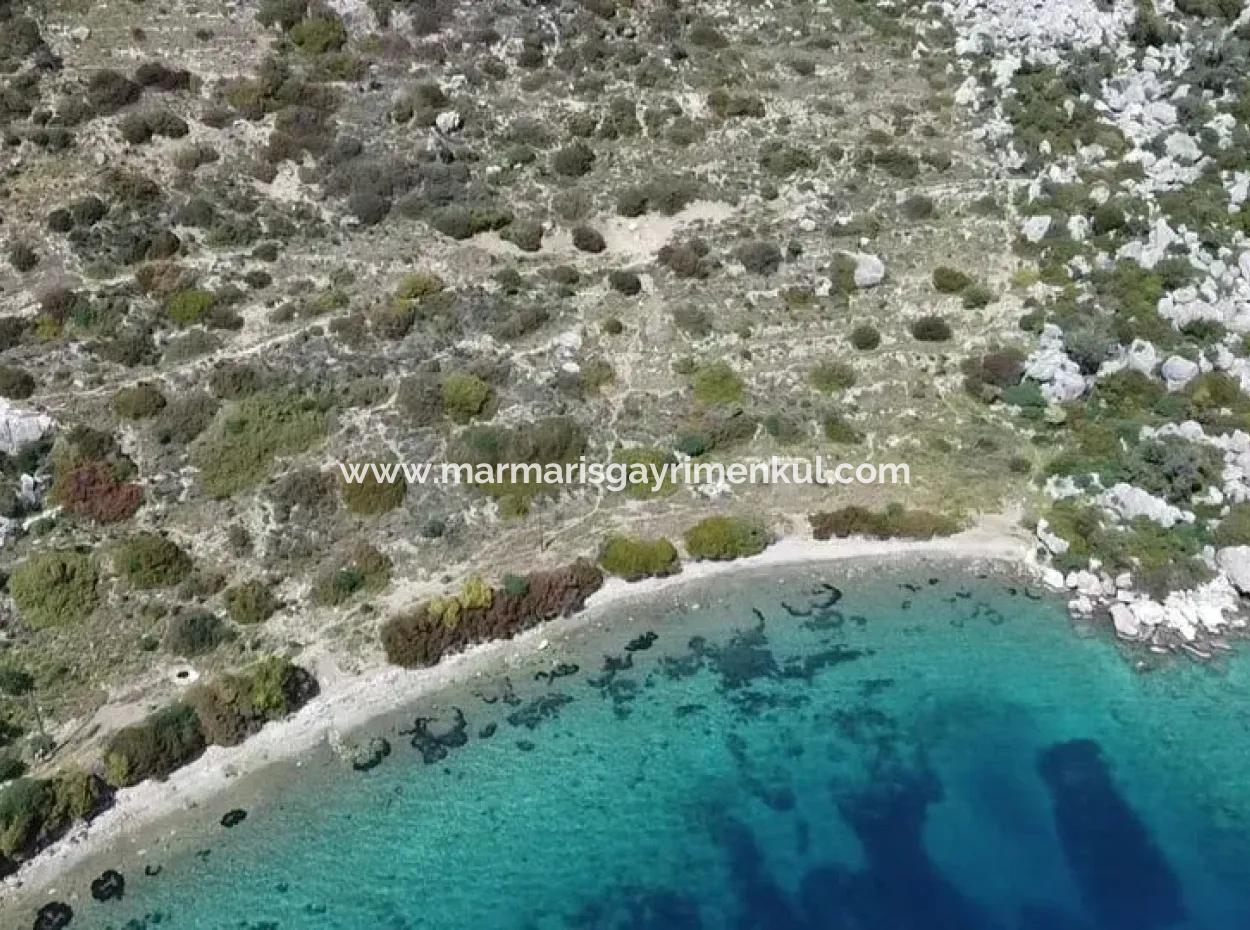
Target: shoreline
column 350, row 702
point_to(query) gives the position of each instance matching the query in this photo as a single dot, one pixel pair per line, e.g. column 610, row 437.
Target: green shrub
column 730, row 105
column 717, row 384
column 250, row 602
column 319, row 35
column 895, row 522
column 34, row 811
column 54, row 588
column 949, row 280
column 1234, row 527
column 573, row 160
column 865, row 337
column 24, row 807
column 155, row 748
column 242, row 444
column 138, row 402
column 552, row 441
column 831, row 376
column 195, row 633
column 634, row 559
column 648, row 458
column 149, row 560
column 838, row 429
column 189, row 307
column 464, row 396
column 419, row 285
column 236, row 705
column 363, row 570
column 723, row 538
column 931, row 329
column 371, row 496
column 16, row 383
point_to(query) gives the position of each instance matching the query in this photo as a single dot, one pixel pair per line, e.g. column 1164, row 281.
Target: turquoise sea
column 906, row 747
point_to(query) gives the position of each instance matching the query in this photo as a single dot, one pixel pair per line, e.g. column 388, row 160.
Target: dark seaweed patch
column 435, row 737
column 109, row 886
column 563, row 670
column 642, row 642
column 54, row 915
column 233, row 818
column 539, row 710
column 1124, row 878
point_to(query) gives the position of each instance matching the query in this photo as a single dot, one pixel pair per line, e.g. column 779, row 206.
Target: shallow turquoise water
column 927, row 752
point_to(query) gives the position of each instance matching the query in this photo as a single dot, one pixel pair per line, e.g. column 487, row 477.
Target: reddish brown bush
column 418, row 639
column 92, row 492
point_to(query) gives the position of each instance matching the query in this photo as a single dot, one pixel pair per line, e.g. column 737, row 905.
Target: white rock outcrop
column 19, row 427
column 869, row 270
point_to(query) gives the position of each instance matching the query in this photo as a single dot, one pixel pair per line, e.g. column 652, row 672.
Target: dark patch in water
column 563, row 670
column 743, row 659
column 524, row 745
column 642, row 642
column 1045, row 917
column 501, row 691
column 54, row 915
column 687, row 710
column 434, row 738
column 826, row 621
column 233, row 818
column 487, row 731
column 1124, row 878
column 639, row 909
column 874, row 686
column 151, row 871
column 109, row 886
column 539, row 710
column 806, row 666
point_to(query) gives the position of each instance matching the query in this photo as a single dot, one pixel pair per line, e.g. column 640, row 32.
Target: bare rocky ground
column 243, row 243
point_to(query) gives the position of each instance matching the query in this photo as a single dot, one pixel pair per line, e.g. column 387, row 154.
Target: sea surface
column 902, row 747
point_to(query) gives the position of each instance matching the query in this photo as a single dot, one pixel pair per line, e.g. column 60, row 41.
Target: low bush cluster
column 895, row 522
column 371, row 496
column 154, row 748
column 222, row 712
column 193, row 633
column 362, row 570
column 35, row 812
column 250, row 602
column 149, row 560
column 54, row 588
column 634, row 559
column 139, row 402
column 717, row 384
column 240, row 447
column 420, row 638
column 465, row 396
column 726, row 537
column 237, row 705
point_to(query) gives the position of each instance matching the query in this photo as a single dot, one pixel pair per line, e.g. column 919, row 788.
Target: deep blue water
column 910, row 751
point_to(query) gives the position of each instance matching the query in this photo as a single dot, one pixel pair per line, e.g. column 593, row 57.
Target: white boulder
column 869, row 270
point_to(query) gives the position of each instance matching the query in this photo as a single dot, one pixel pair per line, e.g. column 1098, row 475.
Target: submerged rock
column 54, row 916
column 111, row 884
column 233, row 818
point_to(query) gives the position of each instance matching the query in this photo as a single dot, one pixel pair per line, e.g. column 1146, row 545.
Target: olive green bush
column 250, row 602
column 54, row 588
column 634, row 559
column 726, row 537
column 239, row 449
